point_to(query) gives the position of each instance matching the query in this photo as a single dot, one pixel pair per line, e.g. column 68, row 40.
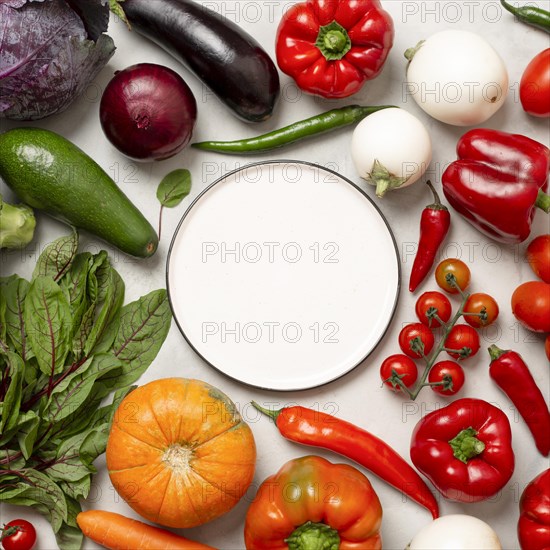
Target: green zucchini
column 48, row 172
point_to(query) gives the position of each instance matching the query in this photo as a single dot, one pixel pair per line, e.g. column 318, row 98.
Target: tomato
column 534, row 88
column 447, row 370
column 475, row 304
column 547, row 347
column 531, row 305
column 455, row 267
column 538, row 256
column 412, row 331
column 18, row 534
column 462, row 336
column 402, row 366
column 430, row 301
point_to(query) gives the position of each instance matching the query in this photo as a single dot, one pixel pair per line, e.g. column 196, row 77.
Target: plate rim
column 283, row 161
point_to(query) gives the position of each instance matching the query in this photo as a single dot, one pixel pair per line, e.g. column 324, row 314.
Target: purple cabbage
column 50, row 50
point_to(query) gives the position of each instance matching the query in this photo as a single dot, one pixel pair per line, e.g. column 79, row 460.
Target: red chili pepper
column 434, row 226
column 331, row 47
column 534, row 519
column 318, row 429
column 465, row 449
column 514, row 378
column 498, row 181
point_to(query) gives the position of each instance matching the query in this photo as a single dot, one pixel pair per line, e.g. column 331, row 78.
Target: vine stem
column 431, row 359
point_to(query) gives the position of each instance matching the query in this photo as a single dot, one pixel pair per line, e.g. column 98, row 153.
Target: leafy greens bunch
column 66, row 343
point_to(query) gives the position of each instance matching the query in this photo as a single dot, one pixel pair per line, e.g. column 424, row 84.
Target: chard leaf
column 77, row 490
column 27, row 430
column 14, row 293
column 12, row 399
column 3, row 330
column 75, row 281
column 48, row 324
column 46, row 57
column 56, row 259
column 71, row 394
column 12, row 460
column 69, row 536
column 143, row 327
column 174, row 187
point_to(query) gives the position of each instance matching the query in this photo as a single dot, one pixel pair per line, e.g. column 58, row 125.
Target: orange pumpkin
column 179, row 453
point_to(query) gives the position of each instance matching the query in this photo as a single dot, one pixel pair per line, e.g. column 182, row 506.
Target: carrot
column 121, row 533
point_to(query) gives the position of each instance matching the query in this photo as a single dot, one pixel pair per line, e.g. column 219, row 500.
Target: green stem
column 313, row 536
column 333, row 41
column 272, row 414
column 411, row 52
column 466, row 445
column 495, row 352
column 543, row 201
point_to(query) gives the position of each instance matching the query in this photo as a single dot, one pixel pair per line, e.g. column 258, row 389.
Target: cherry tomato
column 447, row 370
column 429, row 301
column 401, row 365
column 462, row 336
column 547, row 347
column 455, row 267
column 534, row 88
column 538, row 256
column 475, row 304
column 531, row 305
column 18, row 534
column 410, row 332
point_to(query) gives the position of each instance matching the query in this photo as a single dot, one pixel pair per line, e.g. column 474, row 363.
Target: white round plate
column 283, row 275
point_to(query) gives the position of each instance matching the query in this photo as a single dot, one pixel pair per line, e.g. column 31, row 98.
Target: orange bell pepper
column 312, row 503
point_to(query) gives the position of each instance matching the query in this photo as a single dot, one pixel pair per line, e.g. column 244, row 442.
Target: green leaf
column 77, row 489
column 174, row 187
column 57, row 257
column 69, row 536
column 116, row 8
column 14, row 293
column 75, row 280
column 12, row 460
column 144, row 325
column 12, row 399
column 94, row 444
column 48, row 324
column 4, row 281
column 71, row 394
column 27, row 430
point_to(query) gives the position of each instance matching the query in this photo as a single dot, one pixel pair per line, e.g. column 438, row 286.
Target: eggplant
column 221, row 54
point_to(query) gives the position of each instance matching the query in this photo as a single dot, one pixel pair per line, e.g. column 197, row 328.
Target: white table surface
column 357, row 397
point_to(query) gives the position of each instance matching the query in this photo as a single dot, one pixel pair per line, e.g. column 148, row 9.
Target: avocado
column 50, row 173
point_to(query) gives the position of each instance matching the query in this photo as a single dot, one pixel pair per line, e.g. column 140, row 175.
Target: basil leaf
column 174, row 187
column 57, row 257
column 70, row 395
column 48, row 322
column 144, row 325
column 15, row 293
column 12, row 399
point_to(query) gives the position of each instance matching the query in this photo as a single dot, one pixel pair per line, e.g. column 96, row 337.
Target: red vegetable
column 538, row 256
column 449, row 372
column 451, row 273
column 497, row 182
column 534, row 519
column 311, row 427
column 415, row 336
column 399, row 366
column 547, row 347
column 333, row 48
column 434, row 226
column 464, row 340
column 534, row 88
column 465, row 449
column 18, row 534
column 430, row 304
column 514, row 378
column 531, row 305
column 148, row 112
column 477, row 303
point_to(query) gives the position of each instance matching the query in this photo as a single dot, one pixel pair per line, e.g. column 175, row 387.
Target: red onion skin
column 148, row 112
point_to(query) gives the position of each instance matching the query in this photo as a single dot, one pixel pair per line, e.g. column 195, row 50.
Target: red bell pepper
column 497, row 182
column 465, row 449
column 534, row 519
column 332, row 47
column 514, row 378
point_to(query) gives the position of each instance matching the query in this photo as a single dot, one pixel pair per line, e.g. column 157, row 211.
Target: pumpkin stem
column 268, row 412
column 178, row 457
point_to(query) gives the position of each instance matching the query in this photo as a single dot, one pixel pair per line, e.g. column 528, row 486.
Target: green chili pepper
column 318, row 124
column 536, row 17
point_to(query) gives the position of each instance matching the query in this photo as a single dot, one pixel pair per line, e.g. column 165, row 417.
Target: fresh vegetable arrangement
column 179, row 451
column 67, row 342
column 333, row 48
column 312, row 514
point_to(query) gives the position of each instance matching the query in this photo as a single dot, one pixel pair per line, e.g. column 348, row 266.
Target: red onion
column 148, row 112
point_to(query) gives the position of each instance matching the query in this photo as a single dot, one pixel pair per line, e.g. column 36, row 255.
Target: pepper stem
column 411, row 52
column 313, row 536
column 466, row 445
column 495, row 352
column 383, row 179
column 509, row 7
column 543, row 201
column 436, row 205
column 333, row 41
column 273, row 414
